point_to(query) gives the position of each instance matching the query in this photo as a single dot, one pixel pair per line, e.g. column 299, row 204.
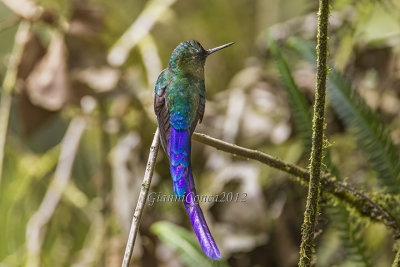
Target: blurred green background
column 91, row 66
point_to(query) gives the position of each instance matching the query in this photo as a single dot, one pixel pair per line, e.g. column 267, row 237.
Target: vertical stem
column 137, row 216
column 314, row 187
column 9, row 82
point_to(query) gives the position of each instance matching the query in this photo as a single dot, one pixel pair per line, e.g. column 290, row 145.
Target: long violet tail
column 182, row 178
column 199, row 224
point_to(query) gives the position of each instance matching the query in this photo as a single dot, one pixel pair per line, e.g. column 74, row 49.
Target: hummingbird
column 179, row 103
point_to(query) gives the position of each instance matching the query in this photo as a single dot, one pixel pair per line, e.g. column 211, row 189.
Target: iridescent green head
column 189, row 58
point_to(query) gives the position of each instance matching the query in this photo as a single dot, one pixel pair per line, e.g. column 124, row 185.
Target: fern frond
column 299, row 107
column 371, row 134
column 350, row 232
column 298, row 104
column 362, row 122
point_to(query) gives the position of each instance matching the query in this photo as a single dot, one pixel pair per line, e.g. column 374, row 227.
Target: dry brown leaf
column 32, row 117
column 33, row 53
column 47, row 85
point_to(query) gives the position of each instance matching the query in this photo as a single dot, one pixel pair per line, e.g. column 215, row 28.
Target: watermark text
column 223, row 197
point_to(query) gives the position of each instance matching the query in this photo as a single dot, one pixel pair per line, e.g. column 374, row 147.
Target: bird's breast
column 182, row 100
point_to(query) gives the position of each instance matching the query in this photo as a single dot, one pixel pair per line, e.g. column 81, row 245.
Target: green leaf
column 182, row 241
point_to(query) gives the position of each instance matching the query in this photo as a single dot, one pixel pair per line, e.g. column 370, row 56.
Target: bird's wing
column 161, row 108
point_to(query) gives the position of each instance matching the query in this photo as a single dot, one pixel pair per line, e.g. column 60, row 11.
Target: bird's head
column 189, row 58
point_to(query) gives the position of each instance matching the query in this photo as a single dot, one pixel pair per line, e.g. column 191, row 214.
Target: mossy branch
column 341, row 190
column 311, row 212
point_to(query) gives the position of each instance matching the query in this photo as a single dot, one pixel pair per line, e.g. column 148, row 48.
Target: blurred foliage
column 185, row 243
column 67, row 70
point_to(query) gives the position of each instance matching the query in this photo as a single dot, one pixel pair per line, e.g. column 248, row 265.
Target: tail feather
column 182, row 179
column 199, row 224
column 179, row 154
column 180, row 185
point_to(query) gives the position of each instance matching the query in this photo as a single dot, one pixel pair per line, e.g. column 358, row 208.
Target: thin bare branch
column 137, row 216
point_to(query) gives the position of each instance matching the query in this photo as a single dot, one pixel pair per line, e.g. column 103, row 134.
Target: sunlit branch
column 137, row 216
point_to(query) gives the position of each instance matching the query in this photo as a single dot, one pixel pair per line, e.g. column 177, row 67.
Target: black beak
column 212, row 50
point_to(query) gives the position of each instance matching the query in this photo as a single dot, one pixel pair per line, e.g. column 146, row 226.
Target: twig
column 252, row 154
column 137, row 216
column 9, row 82
column 344, row 192
column 34, row 231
